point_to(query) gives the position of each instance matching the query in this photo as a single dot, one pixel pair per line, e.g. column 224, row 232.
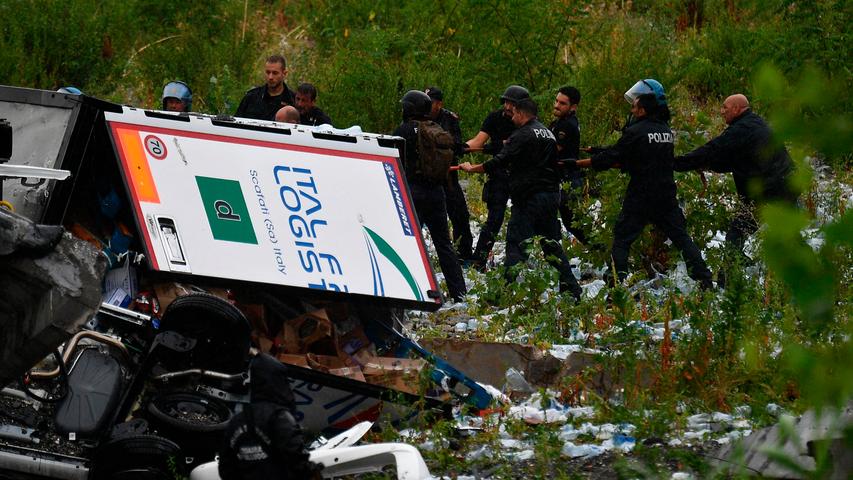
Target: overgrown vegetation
column 781, row 330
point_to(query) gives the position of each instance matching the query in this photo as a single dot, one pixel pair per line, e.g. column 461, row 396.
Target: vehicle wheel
column 195, row 422
column 221, row 331
column 190, row 412
column 137, row 457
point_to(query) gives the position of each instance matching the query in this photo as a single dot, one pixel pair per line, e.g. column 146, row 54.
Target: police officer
column 457, row 207
column 306, row 103
column 568, row 134
column 177, row 97
column 530, row 155
column 428, row 195
column 496, row 128
column 264, row 440
column 645, row 151
column 264, row 101
column 761, row 169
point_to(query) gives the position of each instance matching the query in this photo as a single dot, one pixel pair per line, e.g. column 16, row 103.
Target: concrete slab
column 749, row 456
column 485, row 362
column 44, row 298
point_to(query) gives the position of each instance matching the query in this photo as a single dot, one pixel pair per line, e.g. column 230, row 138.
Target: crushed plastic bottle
column 586, row 451
column 515, row 381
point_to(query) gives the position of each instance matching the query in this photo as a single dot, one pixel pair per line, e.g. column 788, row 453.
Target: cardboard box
column 264, row 344
column 353, row 346
column 168, row 292
column 387, row 365
column 298, row 360
column 121, row 279
column 324, row 363
column 396, row 373
column 256, row 315
column 299, row 334
column 349, row 372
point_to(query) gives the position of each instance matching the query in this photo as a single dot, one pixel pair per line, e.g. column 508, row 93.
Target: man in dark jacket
column 457, row 207
column 306, row 103
column 427, row 194
column 530, row 156
column 568, row 134
column 264, row 101
column 496, row 128
column 760, row 167
column 645, row 151
column 264, row 440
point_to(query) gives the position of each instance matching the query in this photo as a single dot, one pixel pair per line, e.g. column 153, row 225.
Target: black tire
column 138, row 457
column 167, row 410
column 221, row 331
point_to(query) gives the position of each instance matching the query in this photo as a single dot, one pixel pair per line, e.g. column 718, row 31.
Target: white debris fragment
column 568, row 432
column 581, row 412
column 562, row 352
column 581, row 451
column 593, row 288
column 774, row 409
column 483, row 452
column 521, row 456
column 535, row 416
column 698, row 435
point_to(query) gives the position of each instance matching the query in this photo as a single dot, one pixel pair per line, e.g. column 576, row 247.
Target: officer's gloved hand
column 491, row 148
column 594, row 150
column 460, row 149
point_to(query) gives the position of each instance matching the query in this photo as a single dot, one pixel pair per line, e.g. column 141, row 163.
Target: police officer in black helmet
column 645, row 151
column 428, row 195
column 496, row 128
column 457, row 207
column 530, row 155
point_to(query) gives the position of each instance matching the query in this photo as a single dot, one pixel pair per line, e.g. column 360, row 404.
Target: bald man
column 759, row 165
column 287, row 114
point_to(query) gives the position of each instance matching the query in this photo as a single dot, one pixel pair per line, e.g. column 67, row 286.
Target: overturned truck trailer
column 217, row 234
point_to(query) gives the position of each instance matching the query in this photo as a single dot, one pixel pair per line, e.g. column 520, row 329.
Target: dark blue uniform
column 568, row 135
column 314, row 117
column 760, row 169
column 530, row 155
column 431, row 209
column 264, row 440
column 496, row 189
column 645, row 151
column 457, row 207
column 260, row 105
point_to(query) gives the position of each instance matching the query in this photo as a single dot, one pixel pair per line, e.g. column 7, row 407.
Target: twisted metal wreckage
column 146, row 254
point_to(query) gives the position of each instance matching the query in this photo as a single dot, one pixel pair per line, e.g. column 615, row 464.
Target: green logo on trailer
column 226, row 210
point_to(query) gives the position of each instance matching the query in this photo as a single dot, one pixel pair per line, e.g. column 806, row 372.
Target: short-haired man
column 306, row 103
column 457, row 207
column 645, row 151
column 496, row 128
column 568, row 134
column 530, row 155
column 287, row 114
column 263, row 102
column 760, row 167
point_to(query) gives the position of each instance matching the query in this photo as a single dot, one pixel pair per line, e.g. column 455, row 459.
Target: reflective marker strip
column 137, row 166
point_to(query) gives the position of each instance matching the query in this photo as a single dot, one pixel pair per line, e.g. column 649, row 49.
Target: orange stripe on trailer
column 137, row 165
